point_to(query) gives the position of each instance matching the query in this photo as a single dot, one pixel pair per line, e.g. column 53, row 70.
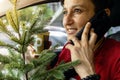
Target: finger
column 74, row 52
column 30, row 48
column 85, row 33
column 93, row 38
column 75, row 41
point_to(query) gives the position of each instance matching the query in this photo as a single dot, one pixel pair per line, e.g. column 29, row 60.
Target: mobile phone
column 101, row 24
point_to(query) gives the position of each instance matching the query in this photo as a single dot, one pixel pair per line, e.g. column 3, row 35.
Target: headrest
column 115, row 13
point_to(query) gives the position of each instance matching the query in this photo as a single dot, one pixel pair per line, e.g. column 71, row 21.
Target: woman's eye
column 64, row 12
column 77, row 10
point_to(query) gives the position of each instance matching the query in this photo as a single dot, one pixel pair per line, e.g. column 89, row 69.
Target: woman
column 101, row 58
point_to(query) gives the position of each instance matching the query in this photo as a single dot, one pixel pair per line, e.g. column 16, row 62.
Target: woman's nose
column 68, row 19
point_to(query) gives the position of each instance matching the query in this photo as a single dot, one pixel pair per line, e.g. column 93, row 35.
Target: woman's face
column 76, row 14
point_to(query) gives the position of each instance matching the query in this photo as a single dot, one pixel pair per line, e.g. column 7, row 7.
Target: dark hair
column 99, row 4
column 62, row 2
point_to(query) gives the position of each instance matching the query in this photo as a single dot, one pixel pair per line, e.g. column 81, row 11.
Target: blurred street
column 4, row 38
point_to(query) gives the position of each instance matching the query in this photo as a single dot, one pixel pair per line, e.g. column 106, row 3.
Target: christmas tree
column 16, row 66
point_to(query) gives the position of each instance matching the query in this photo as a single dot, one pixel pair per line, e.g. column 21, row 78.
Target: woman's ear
column 107, row 10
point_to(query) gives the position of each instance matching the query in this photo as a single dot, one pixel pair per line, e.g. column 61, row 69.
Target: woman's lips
column 71, row 31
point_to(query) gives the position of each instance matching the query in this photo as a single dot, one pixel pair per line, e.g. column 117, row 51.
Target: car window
column 50, row 20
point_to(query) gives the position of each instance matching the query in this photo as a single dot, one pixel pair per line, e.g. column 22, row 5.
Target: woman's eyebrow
column 77, row 5
column 82, row 6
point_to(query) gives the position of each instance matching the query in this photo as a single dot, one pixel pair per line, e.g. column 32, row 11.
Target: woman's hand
column 83, row 50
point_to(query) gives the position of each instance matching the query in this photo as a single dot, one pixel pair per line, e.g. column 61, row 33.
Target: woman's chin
column 71, row 36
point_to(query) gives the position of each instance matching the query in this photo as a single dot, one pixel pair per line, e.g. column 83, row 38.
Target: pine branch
column 15, row 56
column 57, row 72
column 8, row 78
column 43, row 61
column 15, row 16
column 37, row 25
column 3, row 44
column 16, row 40
column 4, row 29
column 4, row 59
column 2, row 26
column 11, row 21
